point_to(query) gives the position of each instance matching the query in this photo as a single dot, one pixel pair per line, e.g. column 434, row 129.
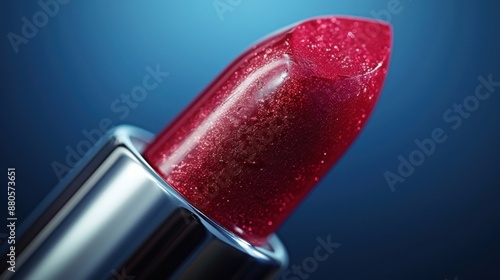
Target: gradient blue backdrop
column 442, row 222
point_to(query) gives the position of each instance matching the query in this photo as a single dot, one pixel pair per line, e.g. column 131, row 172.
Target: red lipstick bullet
column 255, row 142
column 203, row 199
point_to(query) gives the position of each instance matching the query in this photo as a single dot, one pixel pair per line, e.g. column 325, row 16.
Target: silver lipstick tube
column 113, row 217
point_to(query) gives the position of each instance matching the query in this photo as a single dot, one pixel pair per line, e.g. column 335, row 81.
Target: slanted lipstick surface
column 255, row 142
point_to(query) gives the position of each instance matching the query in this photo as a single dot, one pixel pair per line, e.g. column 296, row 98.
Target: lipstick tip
column 341, row 46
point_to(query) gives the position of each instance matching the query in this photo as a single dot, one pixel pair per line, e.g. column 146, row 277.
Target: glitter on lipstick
column 255, row 142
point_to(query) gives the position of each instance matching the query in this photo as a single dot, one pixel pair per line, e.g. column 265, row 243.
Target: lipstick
column 257, row 140
column 204, row 198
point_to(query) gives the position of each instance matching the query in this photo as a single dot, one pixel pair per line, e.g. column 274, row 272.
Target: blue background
column 442, row 222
